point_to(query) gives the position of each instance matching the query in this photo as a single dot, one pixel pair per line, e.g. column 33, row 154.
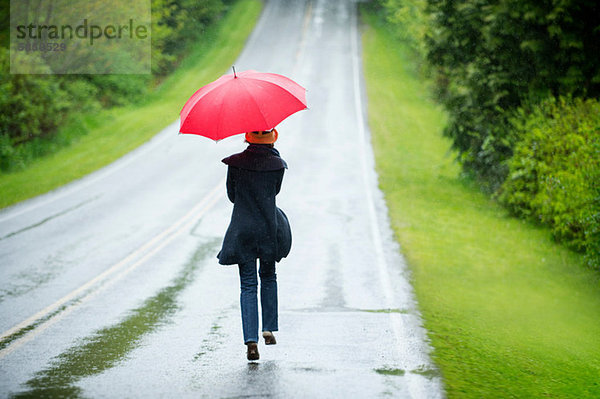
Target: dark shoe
column 269, row 338
column 252, row 352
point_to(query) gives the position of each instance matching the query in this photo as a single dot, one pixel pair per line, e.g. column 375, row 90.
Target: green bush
column 176, row 24
column 34, row 107
column 116, row 90
column 554, row 175
column 409, row 20
column 31, row 106
column 491, row 55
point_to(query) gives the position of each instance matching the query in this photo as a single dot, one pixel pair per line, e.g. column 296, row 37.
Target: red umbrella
column 240, row 103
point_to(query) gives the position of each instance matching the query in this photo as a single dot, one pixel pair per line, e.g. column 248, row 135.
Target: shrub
column 116, row 90
column 176, row 24
column 554, row 175
column 33, row 107
column 409, row 21
column 489, row 56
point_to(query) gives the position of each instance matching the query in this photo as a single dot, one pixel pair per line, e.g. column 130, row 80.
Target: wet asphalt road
column 109, row 287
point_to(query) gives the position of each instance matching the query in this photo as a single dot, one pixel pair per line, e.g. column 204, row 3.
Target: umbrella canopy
column 240, row 103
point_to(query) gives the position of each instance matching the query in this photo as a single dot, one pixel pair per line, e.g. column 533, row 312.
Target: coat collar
column 257, row 157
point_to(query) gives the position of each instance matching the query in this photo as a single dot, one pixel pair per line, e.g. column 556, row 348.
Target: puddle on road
column 312, row 370
column 261, row 378
column 426, row 372
column 108, row 346
column 334, row 293
column 401, row 311
column 27, row 281
column 390, row 371
column 49, row 218
column 325, row 309
column 213, row 340
column 36, row 275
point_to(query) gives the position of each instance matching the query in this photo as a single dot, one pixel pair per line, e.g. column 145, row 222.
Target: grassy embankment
column 115, row 132
column 509, row 312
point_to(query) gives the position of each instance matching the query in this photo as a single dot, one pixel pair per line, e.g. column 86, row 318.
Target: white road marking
column 375, row 232
column 415, row 388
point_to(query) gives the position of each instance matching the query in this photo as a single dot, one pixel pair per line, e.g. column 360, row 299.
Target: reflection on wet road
column 111, row 288
column 106, row 347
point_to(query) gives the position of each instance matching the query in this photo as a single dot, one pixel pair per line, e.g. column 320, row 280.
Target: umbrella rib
column 220, row 120
column 274, row 121
column 255, row 102
column 285, row 89
column 207, row 89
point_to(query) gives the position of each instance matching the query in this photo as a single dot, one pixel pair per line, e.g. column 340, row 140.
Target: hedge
column 554, row 174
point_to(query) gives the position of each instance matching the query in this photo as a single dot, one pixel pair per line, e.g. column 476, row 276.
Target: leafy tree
column 410, row 19
column 491, row 55
column 176, row 23
column 32, row 107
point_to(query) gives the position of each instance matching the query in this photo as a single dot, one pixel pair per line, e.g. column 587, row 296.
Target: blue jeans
column 249, row 302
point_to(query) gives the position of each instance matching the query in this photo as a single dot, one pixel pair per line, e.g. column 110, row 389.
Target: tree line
column 34, row 107
column 520, row 80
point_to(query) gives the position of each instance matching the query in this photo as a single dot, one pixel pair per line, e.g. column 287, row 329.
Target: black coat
column 258, row 229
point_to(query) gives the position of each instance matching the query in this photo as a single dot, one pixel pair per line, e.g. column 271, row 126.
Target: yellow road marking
column 150, row 249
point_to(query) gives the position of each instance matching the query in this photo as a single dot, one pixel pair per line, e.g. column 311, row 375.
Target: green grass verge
column 509, row 312
column 115, row 132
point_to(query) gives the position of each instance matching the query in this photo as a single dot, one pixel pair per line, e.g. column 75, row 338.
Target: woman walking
column 258, row 230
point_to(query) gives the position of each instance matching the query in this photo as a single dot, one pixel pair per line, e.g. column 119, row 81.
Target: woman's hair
column 266, row 137
column 272, row 145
